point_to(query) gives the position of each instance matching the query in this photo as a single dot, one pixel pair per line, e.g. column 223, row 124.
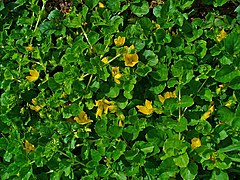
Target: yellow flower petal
column 196, row 142
column 147, row 109
column 157, row 26
column 167, row 95
column 105, row 60
column 29, row 147
column 221, row 35
column 35, row 108
column 34, row 75
column 161, row 98
column 206, row 115
column 211, row 109
column 148, row 104
column 103, row 106
column 101, row 5
column 116, row 74
column 30, row 47
column 82, row 118
column 119, row 41
column 34, row 101
column 117, row 81
column 120, row 123
column 228, row 104
column 130, row 59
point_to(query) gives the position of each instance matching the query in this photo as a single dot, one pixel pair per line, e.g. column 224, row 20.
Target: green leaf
column 114, row 92
column 76, row 22
column 235, row 83
column 181, row 67
column 91, row 3
column 143, row 70
column 181, row 125
column 1, row 5
column 232, row 43
column 201, row 48
column 238, row 13
column 113, row 5
column 72, row 110
column 161, row 74
column 186, row 4
column 96, row 156
column 59, row 77
column 101, row 127
column 102, row 170
column 3, row 143
column 54, row 14
column 140, row 8
column 182, row 160
column 115, row 131
column 158, row 89
column 160, row 36
column 227, row 73
column 189, row 172
column 146, row 25
column 151, row 57
column 93, row 37
column 219, row 2
column 120, row 149
column 130, row 154
column 147, row 149
column 232, row 147
column 157, row 11
column 225, row 115
column 120, row 176
column 186, row 101
column 218, row 174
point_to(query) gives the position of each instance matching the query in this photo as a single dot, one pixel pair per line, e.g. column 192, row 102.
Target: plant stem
column 90, row 79
column 38, row 20
column 85, row 35
column 113, row 58
column 179, row 108
column 76, row 161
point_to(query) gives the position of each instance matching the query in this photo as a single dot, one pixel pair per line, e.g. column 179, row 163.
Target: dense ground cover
column 120, row 89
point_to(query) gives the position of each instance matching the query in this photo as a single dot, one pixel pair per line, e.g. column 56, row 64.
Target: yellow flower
column 130, row 49
column 105, row 60
column 103, row 106
column 34, row 75
column 34, row 101
column 221, row 85
column 207, row 114
column 167, row 95
column 147, row 108
column 82, row 118
column 119, row 41
column 101, row 5
column 211, row 109
column 116, row 74
column 28, row 146
column 30, row 47
column 35, row 107
column 196, row 142
column 157, row 26
column 120, row 123
column 228, row 104
column 221, row 35
column 130, row 59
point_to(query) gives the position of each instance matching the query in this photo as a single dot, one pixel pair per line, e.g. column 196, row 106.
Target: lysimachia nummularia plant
column 119, row 89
